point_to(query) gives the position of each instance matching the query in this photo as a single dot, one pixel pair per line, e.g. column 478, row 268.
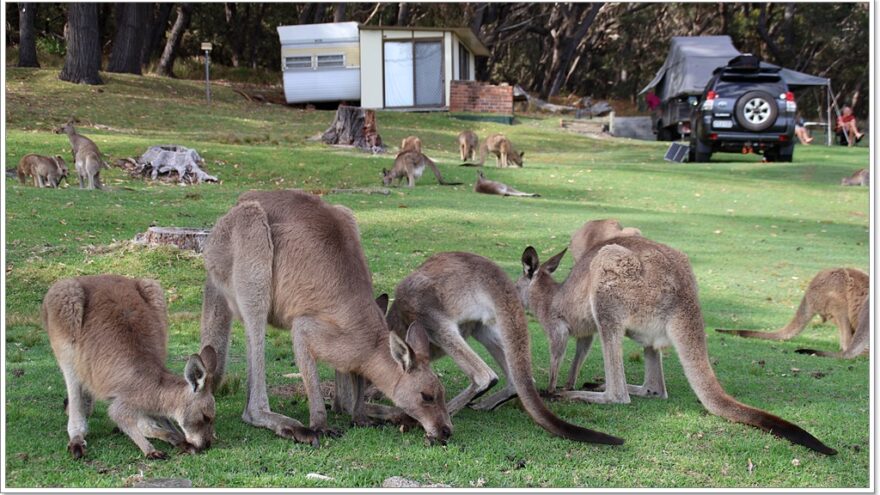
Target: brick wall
column 473, row 96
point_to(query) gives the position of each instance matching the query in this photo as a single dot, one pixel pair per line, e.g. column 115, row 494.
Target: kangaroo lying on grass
column 456, row 295
column 629, row 285
column 86, row 156
column 411, row 164
column 836, row 294
column 467, row 145
column 294, row 261
column 860, row 340
column 503, row 150
column 109, row 335
column 410, row 143
column 46, row 171
column 486, row 186
column 861, row 177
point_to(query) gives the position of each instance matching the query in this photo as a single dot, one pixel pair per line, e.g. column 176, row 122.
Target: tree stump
column 180, row 237
column 354, row 126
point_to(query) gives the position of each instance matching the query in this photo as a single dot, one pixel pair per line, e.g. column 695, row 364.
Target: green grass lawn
column 755, row 233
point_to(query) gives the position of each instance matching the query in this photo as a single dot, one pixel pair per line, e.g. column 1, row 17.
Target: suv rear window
column 737, row 83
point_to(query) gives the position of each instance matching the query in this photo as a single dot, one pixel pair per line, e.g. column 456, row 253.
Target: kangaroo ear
column 553, row 263
column 382, row 302
column 209, row 358
column 418, row 340
column 631, row 231
column 195, row 373
column 384, row 172
column 529, row 261
column 401, row 352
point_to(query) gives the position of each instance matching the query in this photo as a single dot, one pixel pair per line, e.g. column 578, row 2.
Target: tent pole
column 828, row 120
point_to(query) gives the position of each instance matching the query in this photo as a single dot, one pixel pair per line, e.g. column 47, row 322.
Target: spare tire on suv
column 756, row 110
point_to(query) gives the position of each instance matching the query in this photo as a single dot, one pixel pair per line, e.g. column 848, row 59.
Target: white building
column 382, row 66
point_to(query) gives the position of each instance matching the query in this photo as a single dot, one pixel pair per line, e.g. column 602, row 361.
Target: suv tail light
column 790, row 104
column 709, row 104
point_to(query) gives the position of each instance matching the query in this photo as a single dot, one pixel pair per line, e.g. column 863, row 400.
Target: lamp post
column 206, row 47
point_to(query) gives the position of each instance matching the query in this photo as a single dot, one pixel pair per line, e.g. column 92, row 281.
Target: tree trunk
column 566, row 48
column 128, row 43
column 166, row 62
column 339, row 12
column 83, row 59
column 156, row 32
column 255, row 36
column 235, row 31
column 307, row 12
column 27, row 43
column 353, row 126
column 403, row 14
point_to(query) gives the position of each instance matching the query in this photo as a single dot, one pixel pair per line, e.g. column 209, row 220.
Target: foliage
column 755, row 233
column 618, row 53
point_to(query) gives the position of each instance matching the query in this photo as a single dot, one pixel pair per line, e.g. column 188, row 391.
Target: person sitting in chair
column 847, row 128
column 800, row 130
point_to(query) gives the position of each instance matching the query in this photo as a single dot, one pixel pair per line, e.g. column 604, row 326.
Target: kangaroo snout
column 439, row 436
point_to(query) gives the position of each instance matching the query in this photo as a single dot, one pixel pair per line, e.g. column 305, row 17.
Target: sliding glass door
column 413, row 73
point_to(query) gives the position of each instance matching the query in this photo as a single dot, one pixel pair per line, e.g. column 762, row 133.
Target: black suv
column 745, row 106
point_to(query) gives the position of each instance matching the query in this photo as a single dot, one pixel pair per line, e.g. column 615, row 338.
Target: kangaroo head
column 62, row 165
column 531, row 286
column 386, row 177
column 596, row 232
column 196, row 415
column 418, row 391
column 517, row 158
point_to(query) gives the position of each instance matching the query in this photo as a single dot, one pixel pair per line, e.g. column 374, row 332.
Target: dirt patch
column 298, row 390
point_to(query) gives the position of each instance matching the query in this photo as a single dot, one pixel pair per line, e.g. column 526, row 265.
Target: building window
column 464, row 67
column 331, row 61
column 298, row 62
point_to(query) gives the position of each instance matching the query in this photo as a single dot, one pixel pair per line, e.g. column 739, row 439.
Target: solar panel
column 677, row 152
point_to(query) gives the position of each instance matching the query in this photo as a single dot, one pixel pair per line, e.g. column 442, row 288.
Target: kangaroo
column 858, row 345
column 109, row 335
column 411, row 143
column 86, row 156
column 630, row 285
column 294, row 261
column 861, row 177
column 46, row 171
column 411, row 164
column 835, row 293
column 503, row 150
column 486, row 186
column 467, row 145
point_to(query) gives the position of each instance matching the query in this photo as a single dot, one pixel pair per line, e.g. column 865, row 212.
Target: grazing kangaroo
column 411, row 143
column 467, row 145
column 86, row 156
column 486, row 186
column 860, row 340
column 861, row 177
column 46, row 171
column 109, row 335
column 633, row 286
column 456, row 295
column 296, row 262
column 411, row 164
column 836, row 294
column 503, row 150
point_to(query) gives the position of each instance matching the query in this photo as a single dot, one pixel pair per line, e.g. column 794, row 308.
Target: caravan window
column 331, row 60
column 298, row 62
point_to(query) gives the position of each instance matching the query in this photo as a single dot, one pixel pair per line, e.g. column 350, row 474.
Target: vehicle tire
column 786, row 154
column 756, row 110
column 698, row 152
column 662, row 132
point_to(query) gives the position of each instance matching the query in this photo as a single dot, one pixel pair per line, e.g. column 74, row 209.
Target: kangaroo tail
column 515, row 337
column 695, row 361
column 803, row 316
column 484, row 150
column 860, row 341
column 437, row 173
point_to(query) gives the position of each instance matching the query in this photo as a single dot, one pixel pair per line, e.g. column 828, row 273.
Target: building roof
column 331, row 32
column 467, row 37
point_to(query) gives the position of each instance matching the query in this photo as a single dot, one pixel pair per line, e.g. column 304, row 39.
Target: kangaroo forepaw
column 77, row 448
column 326, row 431
column 187, row 448
column 157, row 455
column 300, row 434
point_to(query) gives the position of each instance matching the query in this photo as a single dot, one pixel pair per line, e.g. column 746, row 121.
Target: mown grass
column 755, row 233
